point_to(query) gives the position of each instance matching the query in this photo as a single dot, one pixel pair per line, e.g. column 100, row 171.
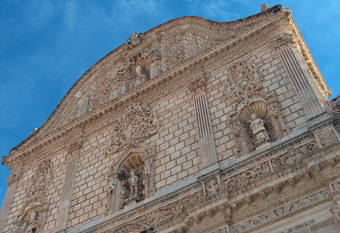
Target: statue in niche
column 133, row 182
column 132, row 188
column 32, row 224
column 258, row 130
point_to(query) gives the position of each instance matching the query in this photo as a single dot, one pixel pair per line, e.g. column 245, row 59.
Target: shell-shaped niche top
column 143, row 57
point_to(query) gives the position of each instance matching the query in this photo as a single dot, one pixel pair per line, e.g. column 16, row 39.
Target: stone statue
column 258, row 129
column 141, row 76
column 33, row 222
column 112, row 184
column 133, row 182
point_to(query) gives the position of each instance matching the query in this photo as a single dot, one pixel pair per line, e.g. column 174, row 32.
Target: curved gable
column 143, row 57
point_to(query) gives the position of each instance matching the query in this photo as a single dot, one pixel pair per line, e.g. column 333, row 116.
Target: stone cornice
column 222, row 52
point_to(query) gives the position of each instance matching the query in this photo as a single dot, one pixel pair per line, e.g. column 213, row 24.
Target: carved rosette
column 283, row 41
column 31, row 218
column 138, row 124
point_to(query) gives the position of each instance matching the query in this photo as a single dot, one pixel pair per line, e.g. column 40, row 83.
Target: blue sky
column 46, row 45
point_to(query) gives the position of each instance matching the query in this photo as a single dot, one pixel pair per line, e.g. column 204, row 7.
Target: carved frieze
column 137, row 124
column 248, row 175
column 292, row 155
column 295, row 206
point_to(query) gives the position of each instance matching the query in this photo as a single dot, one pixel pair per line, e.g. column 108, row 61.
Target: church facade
column 192, row 126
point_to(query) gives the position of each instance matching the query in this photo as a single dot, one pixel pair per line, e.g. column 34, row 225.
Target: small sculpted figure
column 258, row 129
column 133, row 182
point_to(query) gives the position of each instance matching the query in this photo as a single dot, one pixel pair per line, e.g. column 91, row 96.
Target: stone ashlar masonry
column 158, row 137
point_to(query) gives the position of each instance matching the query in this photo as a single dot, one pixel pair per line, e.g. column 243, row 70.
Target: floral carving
column 138, row 123
column 327, row 138
column 244, row 79
column 284, row 210
column 248, row 175
column 292, row 155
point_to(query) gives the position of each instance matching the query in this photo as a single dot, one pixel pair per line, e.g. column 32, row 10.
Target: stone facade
column 193, row 126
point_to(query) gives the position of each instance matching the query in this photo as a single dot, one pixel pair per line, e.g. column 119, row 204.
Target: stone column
column 66, row 195
column 204, row 128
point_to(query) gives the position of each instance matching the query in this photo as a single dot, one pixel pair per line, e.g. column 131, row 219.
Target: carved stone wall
column 194, row 126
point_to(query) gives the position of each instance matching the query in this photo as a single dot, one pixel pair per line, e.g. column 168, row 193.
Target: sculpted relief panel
column 255, row 118
column 137, row 124
column 131, row 176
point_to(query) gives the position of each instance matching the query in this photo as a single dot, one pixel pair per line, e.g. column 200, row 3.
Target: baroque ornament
column 137, row 124
column 244, row 79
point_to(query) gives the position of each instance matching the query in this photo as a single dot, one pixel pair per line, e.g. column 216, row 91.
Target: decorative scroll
column 282, row 211
column 138, row 123
column 335, row 105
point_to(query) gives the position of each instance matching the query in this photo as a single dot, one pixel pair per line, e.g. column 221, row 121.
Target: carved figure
column 112, row 184
column 133, row 182
column 258, row 129
column 32, row 225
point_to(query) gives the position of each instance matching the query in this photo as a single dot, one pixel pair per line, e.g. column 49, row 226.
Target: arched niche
column 132, row 177
column 257, row 122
